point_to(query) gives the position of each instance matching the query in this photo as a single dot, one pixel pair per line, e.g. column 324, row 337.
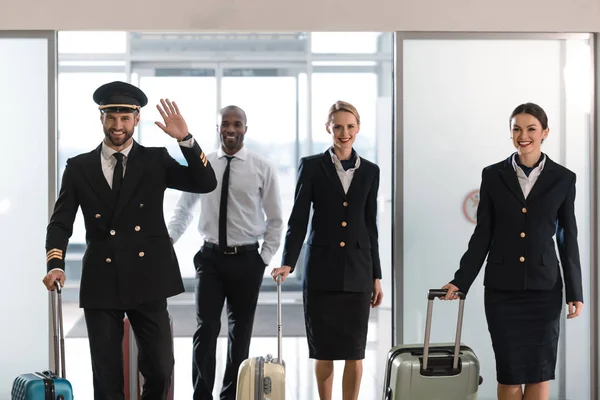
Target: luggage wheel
column 480, row 379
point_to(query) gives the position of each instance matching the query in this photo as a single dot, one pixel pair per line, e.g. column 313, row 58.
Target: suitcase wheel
column 480, row 379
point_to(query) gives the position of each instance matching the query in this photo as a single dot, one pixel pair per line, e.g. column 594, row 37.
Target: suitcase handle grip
column 432, row 294
column 435, row 293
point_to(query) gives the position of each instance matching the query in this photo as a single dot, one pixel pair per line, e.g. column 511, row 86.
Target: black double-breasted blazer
column 342, row 248
column 516, row 233
column 129, row 258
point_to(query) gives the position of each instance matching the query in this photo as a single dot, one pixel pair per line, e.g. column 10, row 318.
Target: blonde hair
column 342, row 106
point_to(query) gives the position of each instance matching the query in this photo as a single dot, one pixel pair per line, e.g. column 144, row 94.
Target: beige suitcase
column 263, row 378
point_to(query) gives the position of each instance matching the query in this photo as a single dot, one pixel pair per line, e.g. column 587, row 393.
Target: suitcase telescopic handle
column 57, row 327
column 279, row 318
column 435, row 293
column 431, row 296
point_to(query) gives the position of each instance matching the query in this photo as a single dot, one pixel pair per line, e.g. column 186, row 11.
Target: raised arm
column 198, row 176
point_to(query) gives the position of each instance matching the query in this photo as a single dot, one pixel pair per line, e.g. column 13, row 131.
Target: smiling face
column 527, row 134
column 343, row 127
column 119, row 128
column 232, row 129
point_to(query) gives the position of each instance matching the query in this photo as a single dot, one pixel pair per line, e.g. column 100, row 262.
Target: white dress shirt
column 253, row 188
column 109, row 162
column 345, row 176
column 527, row 182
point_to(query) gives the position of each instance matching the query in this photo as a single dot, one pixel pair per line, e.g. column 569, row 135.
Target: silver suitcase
column 263, row 378
column 440, row 371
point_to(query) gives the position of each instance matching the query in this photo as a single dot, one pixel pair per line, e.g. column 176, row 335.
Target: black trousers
column 152, row 330
column 237, row 278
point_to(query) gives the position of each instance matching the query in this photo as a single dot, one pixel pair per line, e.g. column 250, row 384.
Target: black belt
column 231, row 249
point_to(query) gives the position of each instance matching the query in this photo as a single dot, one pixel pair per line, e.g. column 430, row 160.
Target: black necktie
column 223, row 207
column 117, row 174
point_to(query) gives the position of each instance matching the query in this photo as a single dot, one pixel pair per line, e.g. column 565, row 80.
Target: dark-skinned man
column 230, row 266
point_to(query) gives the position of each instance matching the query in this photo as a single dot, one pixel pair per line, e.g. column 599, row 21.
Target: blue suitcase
column 47, row 385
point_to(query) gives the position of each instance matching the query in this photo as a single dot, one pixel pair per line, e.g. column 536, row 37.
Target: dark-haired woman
column 524, row 201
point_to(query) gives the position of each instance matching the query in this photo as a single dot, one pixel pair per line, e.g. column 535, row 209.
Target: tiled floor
column 300, row 382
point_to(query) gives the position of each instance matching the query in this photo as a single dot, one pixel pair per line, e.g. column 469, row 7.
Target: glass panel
column 271, row 130
column 24, row 201
column 457, row 116
column 576, row 148
column 196, row 98
column 92, row 42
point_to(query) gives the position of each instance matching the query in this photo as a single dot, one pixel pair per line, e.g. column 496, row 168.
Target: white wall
column 23, row 207
column 310, row 15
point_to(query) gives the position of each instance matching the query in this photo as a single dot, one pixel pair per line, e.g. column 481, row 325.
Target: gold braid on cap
column 119, row 105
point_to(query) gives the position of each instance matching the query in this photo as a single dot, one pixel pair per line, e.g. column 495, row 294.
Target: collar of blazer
column 331, row 173
column 93, row 173
column 547, row 177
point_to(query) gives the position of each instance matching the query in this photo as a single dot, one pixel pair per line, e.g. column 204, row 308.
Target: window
column 92, row 42
column 344, row 42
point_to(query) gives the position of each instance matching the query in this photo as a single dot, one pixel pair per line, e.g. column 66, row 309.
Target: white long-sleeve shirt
column 253, row 205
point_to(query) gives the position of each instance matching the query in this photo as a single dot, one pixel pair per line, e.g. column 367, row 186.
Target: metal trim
column 594, row 150
column 561, row 371
column 233, row 57
column 494, row 36
column 52, row 51
column 397, row 273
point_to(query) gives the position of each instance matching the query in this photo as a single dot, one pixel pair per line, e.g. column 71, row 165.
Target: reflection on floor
column 300, row 381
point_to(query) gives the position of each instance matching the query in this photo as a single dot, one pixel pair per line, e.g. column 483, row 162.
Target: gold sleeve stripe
column 54, row 253
column 205, row 162
column 52, row 257
column 203, row 156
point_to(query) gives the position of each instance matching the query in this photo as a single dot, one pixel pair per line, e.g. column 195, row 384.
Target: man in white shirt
column 229, row 264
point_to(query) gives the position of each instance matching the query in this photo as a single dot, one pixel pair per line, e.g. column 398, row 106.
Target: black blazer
column 517, row 232
column 129, row 257
column 343, row 251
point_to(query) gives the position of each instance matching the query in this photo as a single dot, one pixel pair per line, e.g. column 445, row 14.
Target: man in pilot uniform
column 129, row 266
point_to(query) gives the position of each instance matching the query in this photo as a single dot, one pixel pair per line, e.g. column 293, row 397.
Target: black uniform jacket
column 129, row 257
column 516, row 234
column 343, row 251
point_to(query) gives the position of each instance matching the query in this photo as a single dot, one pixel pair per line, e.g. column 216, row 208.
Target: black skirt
column 524, row 328
column 336, row 324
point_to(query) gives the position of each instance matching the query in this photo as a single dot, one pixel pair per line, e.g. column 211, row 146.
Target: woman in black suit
column 524, row 201
column 342, row 270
